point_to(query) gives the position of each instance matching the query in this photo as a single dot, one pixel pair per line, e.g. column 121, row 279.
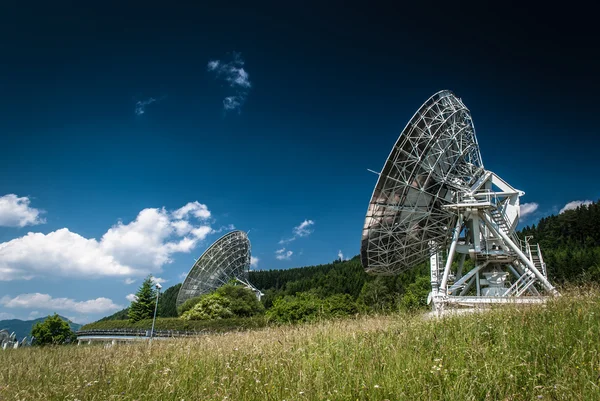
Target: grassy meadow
column 549, row 352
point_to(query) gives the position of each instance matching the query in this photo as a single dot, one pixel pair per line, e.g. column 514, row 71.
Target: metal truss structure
column 226, row 259
column 434, row 197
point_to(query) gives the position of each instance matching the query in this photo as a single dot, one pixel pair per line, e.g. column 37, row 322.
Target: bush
column 416, row 294
column 211, row 306
column 243, row 301
column 187, row 305
column 228, row 301
column 175, row 323
column 307, row 306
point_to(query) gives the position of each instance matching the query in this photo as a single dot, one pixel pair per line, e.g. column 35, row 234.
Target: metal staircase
column 500, row 220
column 521, row 285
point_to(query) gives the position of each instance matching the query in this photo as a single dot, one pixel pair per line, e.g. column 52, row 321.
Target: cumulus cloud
column 129, row 281
column 302, row 230
column 16, row 212
column 575, row 204
column 528, row 208
column 254, row 262
column 131, row 297
column 195, row 208
column 236, row 77
column 135, row 249
column 158, row 280
column 47, row 302
column 282, row 254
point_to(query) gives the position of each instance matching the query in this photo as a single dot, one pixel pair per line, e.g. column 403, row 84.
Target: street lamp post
column 158, row 287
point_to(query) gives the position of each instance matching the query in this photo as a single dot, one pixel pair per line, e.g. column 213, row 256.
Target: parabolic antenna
column 434, row 194
column 226, row 259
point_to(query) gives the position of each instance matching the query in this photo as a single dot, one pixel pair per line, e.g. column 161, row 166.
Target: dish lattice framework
column 227, row 258
column 435, row 158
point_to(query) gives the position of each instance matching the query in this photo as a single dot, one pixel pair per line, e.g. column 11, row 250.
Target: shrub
column 218, row 325
column 243, row 301
column 307, row 306
column 187, row 305
column 416, row 294
column 211, row 306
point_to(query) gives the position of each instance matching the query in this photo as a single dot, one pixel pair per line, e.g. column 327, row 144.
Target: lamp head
column 158, row 286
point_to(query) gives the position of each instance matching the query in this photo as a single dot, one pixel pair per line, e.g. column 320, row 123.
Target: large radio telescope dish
column 434, row 194
column 226, row 259
column 435, row 156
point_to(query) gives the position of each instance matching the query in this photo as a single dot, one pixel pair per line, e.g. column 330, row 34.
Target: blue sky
column 134, row 136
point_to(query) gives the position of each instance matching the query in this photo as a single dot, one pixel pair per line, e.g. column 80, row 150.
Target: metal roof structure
column 227, row 258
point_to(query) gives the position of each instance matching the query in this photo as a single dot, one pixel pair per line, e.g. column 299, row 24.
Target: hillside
column 23, row 328
column 570, row 243
column 546, row 352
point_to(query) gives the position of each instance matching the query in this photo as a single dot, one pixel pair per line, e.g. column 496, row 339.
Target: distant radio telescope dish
column 434, row 194
column 226, row 259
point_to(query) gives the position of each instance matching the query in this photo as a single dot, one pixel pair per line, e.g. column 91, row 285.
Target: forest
column 570, row 243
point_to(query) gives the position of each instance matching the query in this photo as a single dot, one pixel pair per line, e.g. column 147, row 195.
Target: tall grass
column 549, row 352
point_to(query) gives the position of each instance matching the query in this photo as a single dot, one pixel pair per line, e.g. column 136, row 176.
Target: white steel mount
column 505, row 269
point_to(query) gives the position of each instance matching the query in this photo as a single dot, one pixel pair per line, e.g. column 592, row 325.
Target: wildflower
column 377, row 386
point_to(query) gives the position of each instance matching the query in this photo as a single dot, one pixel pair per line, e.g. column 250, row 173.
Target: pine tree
column 143, row 306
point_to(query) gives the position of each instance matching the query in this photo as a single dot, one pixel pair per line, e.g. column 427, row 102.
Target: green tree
column 211, row 306
column 143, row 306
column 227, row 301
column 243, row 301
column 188, row 304
column 52, row 331
column 375, row 295
column 167, row 302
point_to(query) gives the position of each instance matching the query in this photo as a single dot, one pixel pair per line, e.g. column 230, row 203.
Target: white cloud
column 15, row 212
column 131, row 297
column 129, row 281
column 34, row 314
column 282, row 254
column 140, row 106
column 46, row 302
column 254, row 262
column 135, row 249
column 195, row 208
column 575, row 204
column 6, row 316
column 224, row 228
column 340, row 255
column 237, row 78
column 183, row 275
column 528, row 208
column 158, row 280
column 302, row 230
